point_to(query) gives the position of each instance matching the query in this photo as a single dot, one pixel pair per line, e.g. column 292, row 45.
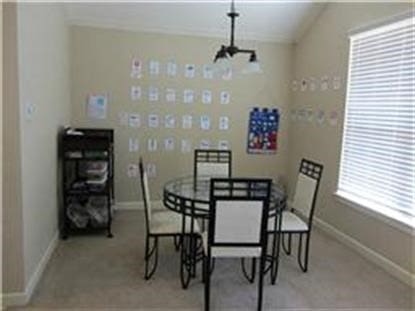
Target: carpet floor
column 97, row 273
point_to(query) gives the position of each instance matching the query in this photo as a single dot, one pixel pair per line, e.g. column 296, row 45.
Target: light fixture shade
column 221, row 66
column 252, row 67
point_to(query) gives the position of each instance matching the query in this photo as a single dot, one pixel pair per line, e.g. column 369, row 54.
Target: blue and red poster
column 263, row 131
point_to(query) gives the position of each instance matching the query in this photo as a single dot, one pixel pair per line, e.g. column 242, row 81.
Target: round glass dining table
column 190, row 196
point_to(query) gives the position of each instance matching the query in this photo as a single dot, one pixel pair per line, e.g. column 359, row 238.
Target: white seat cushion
column 168, row 222
column 290, row 222
column 230, row 251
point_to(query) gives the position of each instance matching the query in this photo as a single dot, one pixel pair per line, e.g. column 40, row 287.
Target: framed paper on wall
column 263, row 131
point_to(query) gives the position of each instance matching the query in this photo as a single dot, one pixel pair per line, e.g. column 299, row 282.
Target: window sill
column 395, row 219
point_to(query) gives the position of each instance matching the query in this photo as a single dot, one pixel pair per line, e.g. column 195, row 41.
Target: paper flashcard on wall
column 336, row 83
column 132, row 170
column 205, row 123
column 188, row 96
column 187, row 122
column 223, row 123
column 225, row 97
column 170, row 95
column 312, row 84
column 135, row 93
column 227, row 74
column 208, row 71
column 189, row 71
column 153, row 94
column 134, row 120
column 303, row 85
column 186, row 146
column 169, row 121
column 123, row 117
column 152, row 144
column 204, row 144
column 136, row 68
column 169, row 144
column 320, row 117
column 153, row 120
column 324, row 83
column 171, row 68
column 133, row 145
column 223, row 145
column 154, row 67
column 206, row 97
column 333, row 118
column 294, row 85
column 97, row 106
column 151, row 170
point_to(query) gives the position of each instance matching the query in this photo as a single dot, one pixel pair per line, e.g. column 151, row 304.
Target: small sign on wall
column 263, row 131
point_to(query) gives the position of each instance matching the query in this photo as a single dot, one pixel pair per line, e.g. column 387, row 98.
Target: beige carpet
column 93, row 272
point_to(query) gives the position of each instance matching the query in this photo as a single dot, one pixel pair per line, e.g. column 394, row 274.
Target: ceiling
column 274, row 21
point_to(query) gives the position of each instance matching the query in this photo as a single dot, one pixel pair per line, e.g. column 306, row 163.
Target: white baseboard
column 22, row 298
column 388, row 265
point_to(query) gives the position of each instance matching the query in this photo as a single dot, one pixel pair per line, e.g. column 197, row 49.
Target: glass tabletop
column 191, row 195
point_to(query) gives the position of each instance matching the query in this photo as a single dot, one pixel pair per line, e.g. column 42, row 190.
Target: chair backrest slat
column 212, row 162
column 238, row 212
column 307, row 187
column 145, row 189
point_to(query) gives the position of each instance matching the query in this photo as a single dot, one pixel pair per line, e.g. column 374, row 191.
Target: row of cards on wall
column 189, row 96
column 323, row 83
column 156, row 68
column 170, row 121
column 320, row 117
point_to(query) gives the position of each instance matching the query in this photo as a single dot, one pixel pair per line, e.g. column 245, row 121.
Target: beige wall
column 324, row 50
column 101, row 62
column 12, row 263
column 44, row 82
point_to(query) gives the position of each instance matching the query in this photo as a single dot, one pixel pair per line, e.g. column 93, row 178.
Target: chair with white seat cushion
column 212, row 163
column 299, row 219
column 159, row 223
column 238, row 218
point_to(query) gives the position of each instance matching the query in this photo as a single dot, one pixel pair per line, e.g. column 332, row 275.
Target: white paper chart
column 169, row 121
column 205, row 122
column 206, row 97
column 171, row 68
column 154, row 67
column 136, row 67
column 133, row 145
column 187, row 122
column 188, row 96
column 225, row 97
column 134, row 120
column 204, row 144
column 223, row 145
column 97, row 106
column 153, row 94
column 170, row 95
column 169, row 144
column 152, row 144
column 151, row 170
column 132, row 170
column 135, row 93
column 153, row 120
column 223, row 123
column 189, row 71
column 207, row 72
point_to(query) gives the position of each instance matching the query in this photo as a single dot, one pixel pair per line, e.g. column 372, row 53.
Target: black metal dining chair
column 160, row 222
column 213, row 163
column 299, row 219
column 238, row 218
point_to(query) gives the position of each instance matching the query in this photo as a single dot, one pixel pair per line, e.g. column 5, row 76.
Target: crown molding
column 210, row 33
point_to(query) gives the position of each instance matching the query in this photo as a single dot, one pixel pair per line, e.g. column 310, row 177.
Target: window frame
column 388, row 215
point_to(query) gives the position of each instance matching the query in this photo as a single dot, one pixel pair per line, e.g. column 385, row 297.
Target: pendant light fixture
column 222, row 56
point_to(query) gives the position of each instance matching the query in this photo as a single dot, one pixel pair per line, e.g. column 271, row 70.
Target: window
column 377, row 168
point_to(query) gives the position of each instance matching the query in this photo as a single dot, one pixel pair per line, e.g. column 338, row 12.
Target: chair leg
column 185, row 264
column 149, row 252
column 261, row 281
column 287, row 250
column 207, row 282
column 275, row 257
column 303, row 260
column 251, row 277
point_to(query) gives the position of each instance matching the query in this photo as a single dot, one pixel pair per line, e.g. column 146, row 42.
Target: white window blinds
column 378, row 155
